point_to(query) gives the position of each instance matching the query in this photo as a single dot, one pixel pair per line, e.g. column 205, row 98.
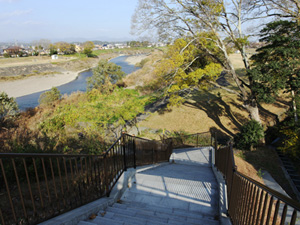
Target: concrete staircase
column 182, row 192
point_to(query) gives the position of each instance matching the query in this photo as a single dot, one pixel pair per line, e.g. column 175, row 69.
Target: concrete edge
column 74, row 216
column 222, row 187
column 152, row 166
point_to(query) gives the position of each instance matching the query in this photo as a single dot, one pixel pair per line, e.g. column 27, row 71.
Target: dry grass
column 214, row 109
column 236, row 60
column 206, row 111
column 19, row 77
column 31, row 60
column 246, row 168
column 146, row 73
column 262, row 158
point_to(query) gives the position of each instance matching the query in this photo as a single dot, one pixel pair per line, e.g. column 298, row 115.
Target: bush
column 291, row 142
column 6, row 55
column 8, row 107
column 49, row 97
column 250, row 135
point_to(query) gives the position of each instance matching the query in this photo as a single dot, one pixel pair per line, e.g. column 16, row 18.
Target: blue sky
column 27, row 20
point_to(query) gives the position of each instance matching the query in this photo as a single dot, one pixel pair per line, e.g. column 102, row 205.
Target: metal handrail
column 12, row 155
column 111, row 147
column 249, row 201
column 36, row 187
column 273, row 192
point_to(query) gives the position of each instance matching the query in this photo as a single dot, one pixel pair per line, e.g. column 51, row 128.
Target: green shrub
column 250, row 135
column 49, row 97
column 8, row 107
column 142, row 63
column 291, row 141
column 6, row 55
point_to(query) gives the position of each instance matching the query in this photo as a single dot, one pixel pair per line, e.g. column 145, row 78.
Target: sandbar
column 135, row 59
column 35, row 84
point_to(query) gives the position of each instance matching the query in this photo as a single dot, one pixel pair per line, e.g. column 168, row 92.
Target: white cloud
column 15, row 13
column 31, row 22
column 9, row 1
column 7, row 22
column 24, row 23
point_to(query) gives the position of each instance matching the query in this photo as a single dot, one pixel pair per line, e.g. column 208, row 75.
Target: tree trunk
column 294, row 107
column 252, row 108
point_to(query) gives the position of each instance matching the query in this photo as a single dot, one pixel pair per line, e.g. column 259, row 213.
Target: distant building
column 54, row 57
column 108, row 46
column 13, row 50
column 121, row 45
column 78, row 48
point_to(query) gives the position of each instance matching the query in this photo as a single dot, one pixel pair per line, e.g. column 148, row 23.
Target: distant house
column 54, row 56
column 78, row 48
column 13, row 50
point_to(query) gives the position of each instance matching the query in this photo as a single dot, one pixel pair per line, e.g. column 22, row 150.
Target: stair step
column 294, row 177
column 106, row 221
column 297, row 183
column 136, row 220
column 196, row 222
column 130, row 205
column 180, row 202
column 154, row 211
column 138, row 213
column 153, row 220
column 170, row 211
column 85, row 223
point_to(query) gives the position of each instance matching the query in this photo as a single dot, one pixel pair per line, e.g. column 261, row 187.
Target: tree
column 283, row 8
column 221, row 21
column 88, row 48
column 250, row 135
column 42, row 43
column 49, row 97
column 8, row 107
column 185, row 67
column 104, row 75
column 276, row 66
column 53, row 49
column 65, row 47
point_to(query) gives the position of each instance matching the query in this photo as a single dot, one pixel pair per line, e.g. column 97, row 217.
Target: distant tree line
column 45, row 47
column 138, row 44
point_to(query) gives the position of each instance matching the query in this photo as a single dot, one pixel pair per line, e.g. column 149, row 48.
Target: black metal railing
column 37, row 187
column 250, row 202
column 192, row 140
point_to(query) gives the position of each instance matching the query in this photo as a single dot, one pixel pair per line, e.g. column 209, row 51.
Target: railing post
column 124, row 151
column 106, row 176
column 152, row 155
column 232, row 170
column 134, row 151
column 216, row 143
column 197, row 140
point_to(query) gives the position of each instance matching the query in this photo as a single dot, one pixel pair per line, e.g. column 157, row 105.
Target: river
column 79, row 84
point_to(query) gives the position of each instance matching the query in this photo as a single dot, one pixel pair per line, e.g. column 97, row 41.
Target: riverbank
column 34, row 84
column 135, row 59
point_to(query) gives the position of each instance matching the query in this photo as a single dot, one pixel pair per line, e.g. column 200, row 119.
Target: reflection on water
column 79, row 84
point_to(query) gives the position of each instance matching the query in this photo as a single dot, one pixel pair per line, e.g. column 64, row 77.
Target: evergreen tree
column 276, row 66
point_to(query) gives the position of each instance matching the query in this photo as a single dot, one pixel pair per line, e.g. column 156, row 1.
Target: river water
column 79, row 84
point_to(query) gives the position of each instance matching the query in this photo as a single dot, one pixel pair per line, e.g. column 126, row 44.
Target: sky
column 66, row 20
